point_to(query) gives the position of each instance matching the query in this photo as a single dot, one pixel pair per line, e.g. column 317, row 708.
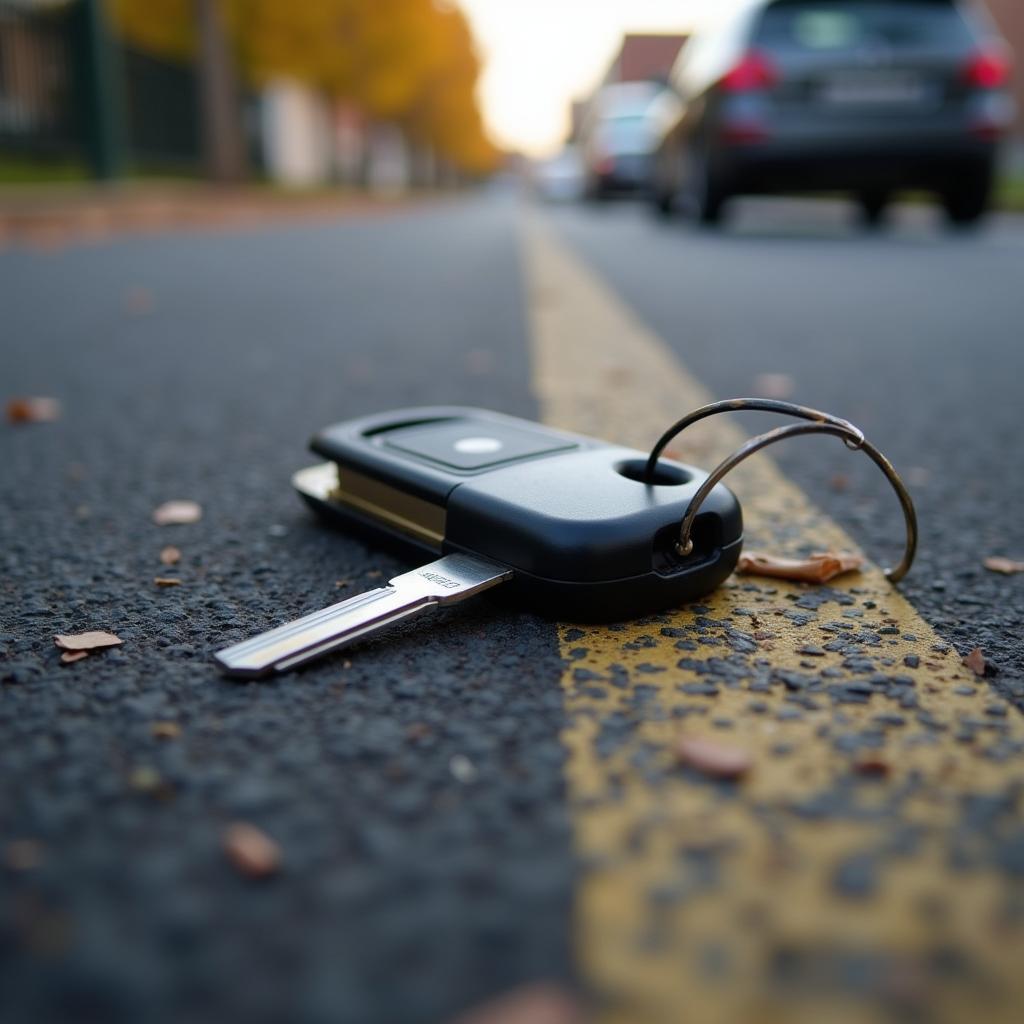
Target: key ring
column 820, row 423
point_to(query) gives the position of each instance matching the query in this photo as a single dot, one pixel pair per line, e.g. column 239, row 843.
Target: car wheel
column 967, row 202
column 704, row 191
column 873, row 207
column 663, row 203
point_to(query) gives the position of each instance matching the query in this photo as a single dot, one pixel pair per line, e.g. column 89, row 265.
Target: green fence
column 70, row 91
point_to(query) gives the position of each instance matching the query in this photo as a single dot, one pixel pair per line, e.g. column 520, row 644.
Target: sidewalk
column 53, row 215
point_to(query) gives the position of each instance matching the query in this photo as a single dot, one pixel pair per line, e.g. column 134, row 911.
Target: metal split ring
column 820, row 423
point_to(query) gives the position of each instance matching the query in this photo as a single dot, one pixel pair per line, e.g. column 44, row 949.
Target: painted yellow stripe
column 708, row 903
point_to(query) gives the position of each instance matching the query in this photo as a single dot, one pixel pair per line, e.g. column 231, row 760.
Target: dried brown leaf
column 819, row 567
column 480, row 362
column 138, row 300
column 170, row 555
column 538, row 1003
column 33, row 410
column 975, row 661
column 165, row 730
column 145, row 779
column 251, row 851
column 713, row 758
column 24, row 854
column 70, row 657
column 167, row 581
column 87, row 641
column 174, row 513
column 1007, row 566
column 774, row 385
column 872, row 765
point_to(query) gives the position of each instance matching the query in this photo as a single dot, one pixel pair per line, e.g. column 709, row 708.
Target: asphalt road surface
column 420, row 787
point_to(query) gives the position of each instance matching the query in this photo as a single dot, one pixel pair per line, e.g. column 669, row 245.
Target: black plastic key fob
column 586, row 538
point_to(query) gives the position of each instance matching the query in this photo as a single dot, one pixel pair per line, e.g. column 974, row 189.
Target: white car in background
column 618, row 136
column 559, row 179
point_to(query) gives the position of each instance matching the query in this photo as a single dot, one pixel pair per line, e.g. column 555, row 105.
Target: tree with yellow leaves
column 411, row 62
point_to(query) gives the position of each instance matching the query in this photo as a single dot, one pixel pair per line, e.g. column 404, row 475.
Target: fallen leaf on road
column 820, row 567
column 24, row 854
column 170, row 555
column 480, row 362
column 174, row 513
column 33, row 410
column 146, row 779
column 166, row 581
column 540, row 1003
column 177, row 512
column 70, row 657
column 252, row 852
column 712, row 758
column 138, row 300
column 872, row 766
column 165, row 730
column 975, row 661
column 774, row 385
column 1007, row 566
column 86, row 641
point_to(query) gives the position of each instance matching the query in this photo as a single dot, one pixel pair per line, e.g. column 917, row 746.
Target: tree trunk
column 223, row 147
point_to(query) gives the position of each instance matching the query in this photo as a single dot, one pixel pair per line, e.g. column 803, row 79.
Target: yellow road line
column 810, row 892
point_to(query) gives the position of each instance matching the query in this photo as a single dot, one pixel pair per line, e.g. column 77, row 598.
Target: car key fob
column 573, row 527
column 585, row 538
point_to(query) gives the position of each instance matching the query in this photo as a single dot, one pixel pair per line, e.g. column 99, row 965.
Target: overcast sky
column 539, row 54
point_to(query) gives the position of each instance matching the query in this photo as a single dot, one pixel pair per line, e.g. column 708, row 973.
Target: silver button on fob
column 565, row 520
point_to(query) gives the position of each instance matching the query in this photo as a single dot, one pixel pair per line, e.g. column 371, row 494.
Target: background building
column 1009, row 16
column 644, row 57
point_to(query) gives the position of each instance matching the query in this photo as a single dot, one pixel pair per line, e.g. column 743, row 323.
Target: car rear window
column 627, row 132
column 837, row 25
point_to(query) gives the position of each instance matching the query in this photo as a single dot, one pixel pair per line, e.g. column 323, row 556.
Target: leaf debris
column 976, row 662
column 170, row 555
column 177, row 512
column 872, row 766
column 24, row 854
column 712, row 758
column 774, row 385
column 167, row 581
column 33, row 410
column 1006, row 566
column 538, row 1003
column 90, row 641
column 251, row 851
column 819, row 567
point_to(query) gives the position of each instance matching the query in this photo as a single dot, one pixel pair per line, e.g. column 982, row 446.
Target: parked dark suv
column 868, row 96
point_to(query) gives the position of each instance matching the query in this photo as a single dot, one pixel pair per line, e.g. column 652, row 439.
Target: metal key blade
column 447, row 581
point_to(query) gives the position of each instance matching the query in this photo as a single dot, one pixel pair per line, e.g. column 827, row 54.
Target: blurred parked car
column 559, row 179
column 869, row 96
column 617, row 138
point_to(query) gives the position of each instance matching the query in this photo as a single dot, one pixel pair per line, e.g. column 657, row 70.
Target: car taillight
column 987, row 69
column 754, row 73
column 744, row 133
